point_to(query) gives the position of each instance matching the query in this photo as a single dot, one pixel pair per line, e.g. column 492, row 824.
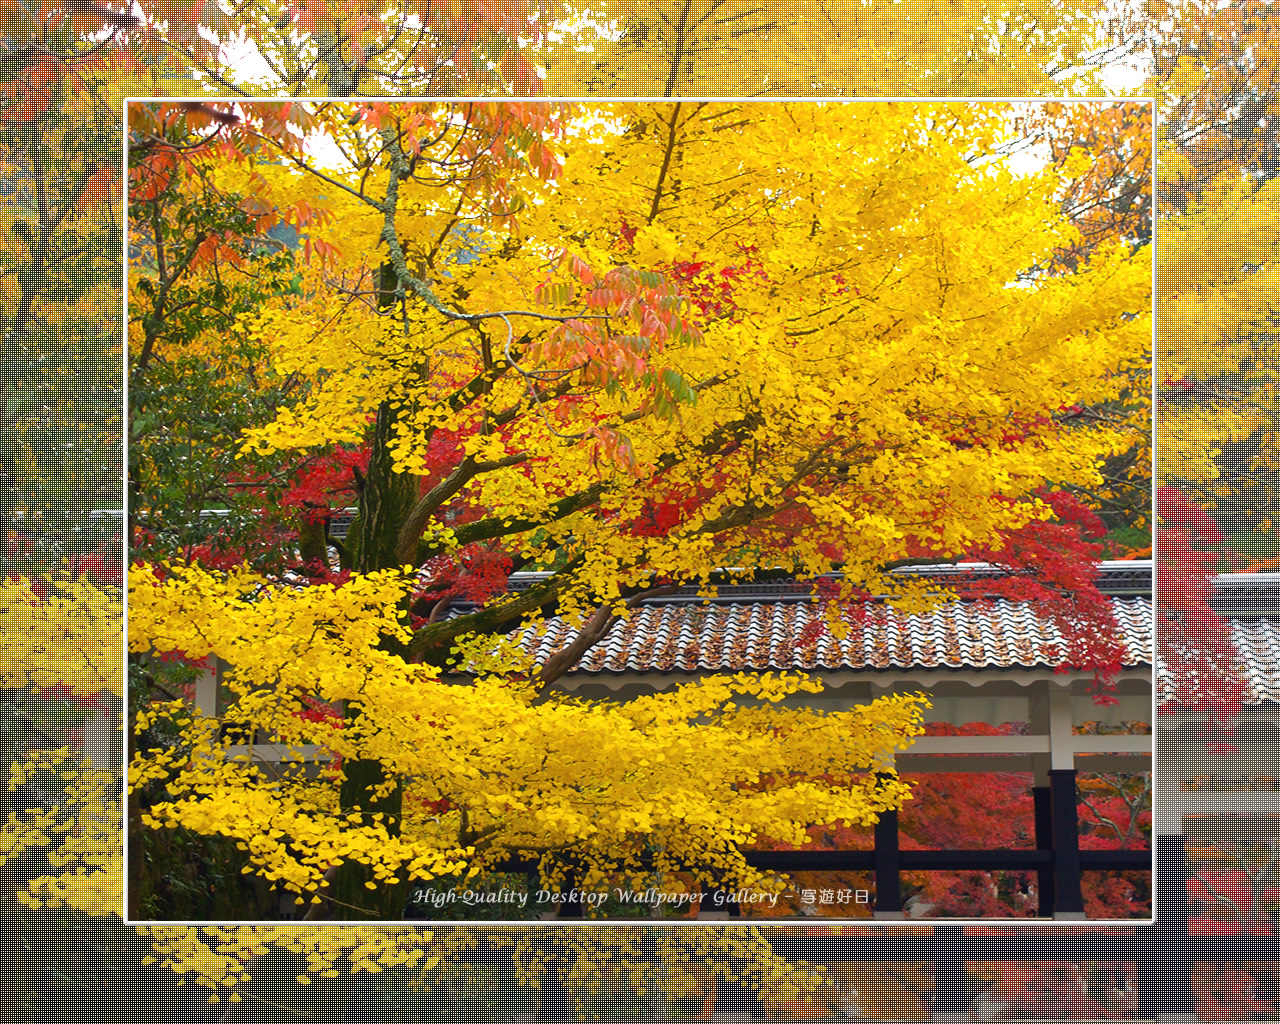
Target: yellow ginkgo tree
column 650, row 48
column 621, row 347
column 679, row 48
column 1220, row 221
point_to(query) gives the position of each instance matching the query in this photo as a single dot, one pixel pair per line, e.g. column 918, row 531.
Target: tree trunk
column 387, row 498
column 313, row 539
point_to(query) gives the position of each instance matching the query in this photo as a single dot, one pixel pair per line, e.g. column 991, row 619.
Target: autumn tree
column 1215, row 73
column 59, row 419
column 60, row 422
column 1216, row 334
column 559, row 48
column 729, row 48
column 1106, row 152
column 60, row 61
column 201, row 260
column 653, row 401
column 1217, row 83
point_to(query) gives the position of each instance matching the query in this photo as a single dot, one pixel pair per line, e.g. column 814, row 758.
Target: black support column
column 1067, row 893
column 888, row 862
column 950, row 1000
column 1044, row 841
column 1164, row 974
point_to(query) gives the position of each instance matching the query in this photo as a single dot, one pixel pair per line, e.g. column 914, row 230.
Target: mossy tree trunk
column 384, row 504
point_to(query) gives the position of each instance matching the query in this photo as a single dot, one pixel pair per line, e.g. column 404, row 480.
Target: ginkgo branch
column 591, row 633
column 467, row 470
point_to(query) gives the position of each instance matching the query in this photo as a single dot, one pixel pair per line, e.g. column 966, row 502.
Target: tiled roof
column 1257, row 643
column 777, row 626
column 770, row 635
column 1250, row 604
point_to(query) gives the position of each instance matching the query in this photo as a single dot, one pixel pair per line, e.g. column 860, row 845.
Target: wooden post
column 1068, row 895
column 1064, row 813
column 888, row 862
column 1044, row 841
column 1165, row 985
column 207, row 689
column 950, row 1001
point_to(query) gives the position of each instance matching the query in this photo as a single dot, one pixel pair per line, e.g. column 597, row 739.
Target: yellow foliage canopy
column 490, row 774
column 625, row 345
column 871, row 48
column 1216, row 75
column 879, row 371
